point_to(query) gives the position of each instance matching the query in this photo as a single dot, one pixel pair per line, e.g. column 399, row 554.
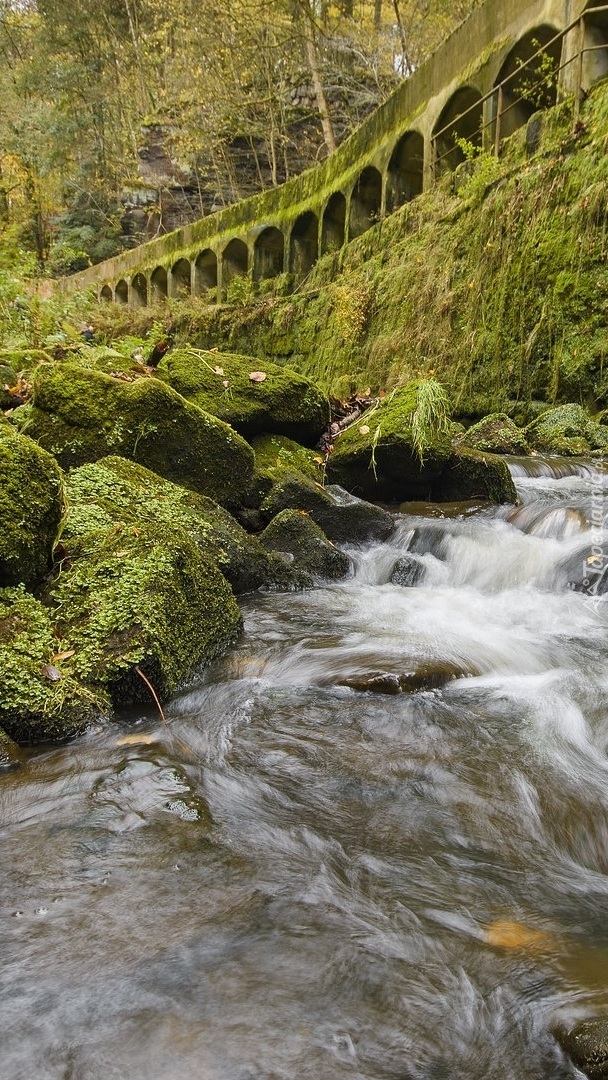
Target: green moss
column 115, row 492
column 294, row 533
column 81, row 416
column 146, row 596
column 496, row 434
column 31, row 504
column 40, row 699
column 8, row 378
column 565, row 430
column 284, row 403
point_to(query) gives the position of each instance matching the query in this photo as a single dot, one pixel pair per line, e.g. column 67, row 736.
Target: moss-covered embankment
column 500, row 288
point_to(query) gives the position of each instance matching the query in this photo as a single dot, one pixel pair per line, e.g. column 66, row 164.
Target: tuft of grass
column 431, row 416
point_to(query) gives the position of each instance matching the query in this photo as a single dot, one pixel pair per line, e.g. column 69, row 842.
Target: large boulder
column 281, row 402
column 82, row 415
column 344, row 519
column 587, row 1045
column 496, row 434
column 276, row 455
column 114, row 492
column 40, row 697
column 381, row 457
column 31, row 504
column 566, row 430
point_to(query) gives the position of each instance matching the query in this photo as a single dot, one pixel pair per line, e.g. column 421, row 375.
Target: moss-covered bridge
column 510, row 58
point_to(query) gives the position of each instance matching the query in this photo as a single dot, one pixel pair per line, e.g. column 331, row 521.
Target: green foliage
column 431, row 417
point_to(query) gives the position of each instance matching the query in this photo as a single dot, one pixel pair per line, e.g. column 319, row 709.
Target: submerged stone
column 408, row 571
column 282, row 402
column 81, row 415
column 31, row 506
column 431, row 675
column 587, row 1046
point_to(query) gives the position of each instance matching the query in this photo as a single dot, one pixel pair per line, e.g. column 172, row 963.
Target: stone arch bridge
column 510, row 58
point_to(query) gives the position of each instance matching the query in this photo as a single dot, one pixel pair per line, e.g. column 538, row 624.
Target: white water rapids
column 299, row 879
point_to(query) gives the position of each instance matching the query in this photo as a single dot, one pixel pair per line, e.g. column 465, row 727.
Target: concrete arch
column 461, row 118
column 180, row 278
column 159, row 284
column 106, row 294
column 531, row 80
column 205, row 271
column 333, row 223
column 121, row 292
column 304, row 244
column 595, row 45
column 139, row 291
column 268, row 254
column 234, row 262
column 365, row 202
column 404, row 175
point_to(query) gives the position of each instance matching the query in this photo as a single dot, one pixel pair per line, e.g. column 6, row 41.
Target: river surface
column 298, row 879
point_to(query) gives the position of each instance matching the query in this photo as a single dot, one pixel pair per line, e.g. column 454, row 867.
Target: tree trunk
column 313, row 64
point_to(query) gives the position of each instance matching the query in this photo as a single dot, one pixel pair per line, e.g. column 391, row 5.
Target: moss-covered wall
column 472, row 56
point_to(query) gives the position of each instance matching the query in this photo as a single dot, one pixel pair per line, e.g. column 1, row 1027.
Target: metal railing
column 548, row 80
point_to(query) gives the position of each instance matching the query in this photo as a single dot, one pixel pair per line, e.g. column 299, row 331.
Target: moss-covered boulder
column 566, row 430
column 275, row 456
column 115, row 492
column 282, row 402
column 344, row 519
column 8, row 378
column 40, row 697
column 144, row 596
column 31, row 504
column 81, row 415
column 468, row 474
column 496, row 434
column 376, row 457
column 295, row 534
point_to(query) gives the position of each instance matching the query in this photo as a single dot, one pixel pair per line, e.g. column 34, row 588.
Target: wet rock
column 282, row 403
column 408, row 571
column 587, row 1045
column 31, row 506
column 276, row 457
column 425, row 676
column 470, row 474
column 81, row 415
column 429, row 539
column 586, row 571
column 297, row 534
column 352, row 522
column 10, row 757
column 496, row 434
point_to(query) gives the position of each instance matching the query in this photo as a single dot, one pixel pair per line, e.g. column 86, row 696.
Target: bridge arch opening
column 139, row 291
column 159, row 286
column 405, row 171
column 365, row 202
column 121, row 292
column 595, row 44
column 268, row 254
column 460, row 119
column 304, row 244
column 181, row 278
column 235, row 261
column 105, row 293
column 333, row 224
column 205, row 271
column 531, row 80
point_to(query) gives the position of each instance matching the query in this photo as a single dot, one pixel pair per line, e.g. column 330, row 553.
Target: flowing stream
column 299, row 877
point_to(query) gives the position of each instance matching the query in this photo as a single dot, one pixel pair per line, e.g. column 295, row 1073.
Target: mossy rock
column 82, row 415
column 566, row 430
column 284, row 403
column 343, row 519
column 114, row 491
column 8, row 378
column 31, row 504
column 470, row 474
column 587, row 1046
column 294, row 533
column 276, row 455
column 142, row 596
column 40, row 697
column 375, row 458
column 496, row 434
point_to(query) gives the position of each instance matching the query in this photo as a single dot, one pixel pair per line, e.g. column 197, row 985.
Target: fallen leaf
column 51, row 673
column 218, row 370
column 121, row 554
column 135, row 740
column 64, row 655
column 364, row 429
column 508, row 934
column 225, row 383
column 319, row 460
column 257, row 376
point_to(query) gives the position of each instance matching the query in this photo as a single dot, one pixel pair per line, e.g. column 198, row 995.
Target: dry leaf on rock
column 257, row 376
